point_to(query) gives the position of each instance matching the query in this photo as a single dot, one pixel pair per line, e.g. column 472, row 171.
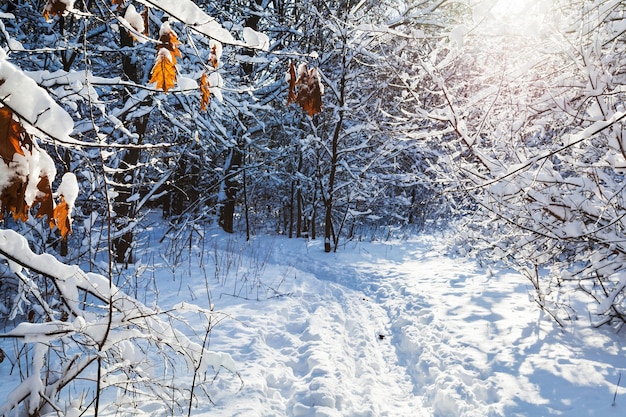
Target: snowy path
column 317, row 352
column 446, row 348
column 456, row 340
column 448, row 371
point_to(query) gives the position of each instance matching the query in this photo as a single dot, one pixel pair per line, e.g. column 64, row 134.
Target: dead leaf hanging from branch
column 17, row 149
column 12, row 136
column 305, row 88
column 164, row 70
column 62, row 218
column 56, row 8
column 205, row 92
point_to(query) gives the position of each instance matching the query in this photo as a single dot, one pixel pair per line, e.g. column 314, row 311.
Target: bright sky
column 511, row 8
column 522, row 17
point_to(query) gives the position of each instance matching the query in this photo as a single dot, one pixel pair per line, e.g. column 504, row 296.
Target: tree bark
column 125, row 210
column 230, row 189
column 230, row 184
column 329, row 232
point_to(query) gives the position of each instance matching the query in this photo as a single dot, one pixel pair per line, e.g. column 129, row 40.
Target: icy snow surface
column 392, row 329
column 395, row 329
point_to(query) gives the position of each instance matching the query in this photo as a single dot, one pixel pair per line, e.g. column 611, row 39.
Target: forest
column 129, row 124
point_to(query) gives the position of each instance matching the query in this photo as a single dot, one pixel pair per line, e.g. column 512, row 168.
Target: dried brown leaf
column 146, row 21
column 292, row 98
column 13, row 200
column 12, row 136
column 205, row 92
column 62, row 218
column 164, row 71
column 169, row 41
column 306, row 90
column 54, row 8
column 13, row 140
column 213, row 58
column 44, row 200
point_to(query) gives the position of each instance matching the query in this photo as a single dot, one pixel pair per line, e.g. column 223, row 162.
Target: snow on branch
column 69, row 280
column 104, row 329
column 569, row 141
column 610, row 301
column 187, row 12
column 33, row 104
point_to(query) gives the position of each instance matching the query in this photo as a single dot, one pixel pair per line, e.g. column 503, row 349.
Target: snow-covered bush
column 73, row 340
column 528, row 110
column 82, row 330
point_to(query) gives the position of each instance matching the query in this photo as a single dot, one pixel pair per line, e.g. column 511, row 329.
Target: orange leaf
column 292, row 84
column 169, row 41
column 10, row 133
column 164, row 71
column 54, row 8
column 13, row 140
column 12, row 200
column 174, row 42
column 306, row 90
column 310, row 98
column 213, row 59
column 62, row 218
column 205, row 91
column 146, row 21
column 44, row 199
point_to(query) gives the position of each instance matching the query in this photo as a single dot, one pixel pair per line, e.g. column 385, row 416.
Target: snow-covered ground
column 395, row 329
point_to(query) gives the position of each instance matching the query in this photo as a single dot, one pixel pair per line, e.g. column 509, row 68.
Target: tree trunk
column 329, row 232
column 123, row 208
column 299, row 214
column 245, row 200
column 67, row 162
column 230, row 189
column 292, row 197
column 252, row 22
column 230, row 184
column 124, row 211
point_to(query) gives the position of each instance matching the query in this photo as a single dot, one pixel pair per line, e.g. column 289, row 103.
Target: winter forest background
column 338, row 121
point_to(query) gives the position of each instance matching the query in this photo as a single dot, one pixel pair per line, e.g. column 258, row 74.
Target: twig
column 619, row 378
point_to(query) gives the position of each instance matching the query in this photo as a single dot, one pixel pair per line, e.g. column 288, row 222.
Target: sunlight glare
column 519, row 17
column 504, row 8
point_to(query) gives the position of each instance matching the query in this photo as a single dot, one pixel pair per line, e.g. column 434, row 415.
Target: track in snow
column 456, row 340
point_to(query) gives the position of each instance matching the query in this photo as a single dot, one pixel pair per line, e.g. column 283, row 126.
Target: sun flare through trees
column 137, row 135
